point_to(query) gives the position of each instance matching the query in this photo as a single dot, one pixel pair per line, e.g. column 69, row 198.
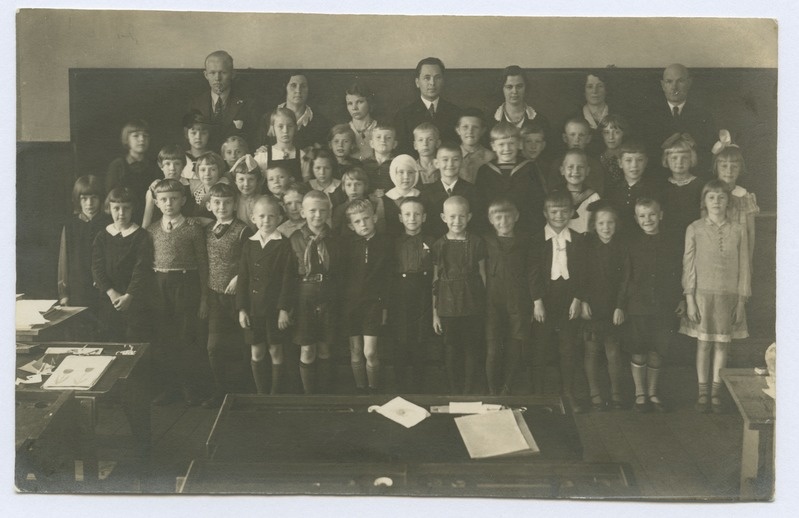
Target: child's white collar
column 111, row 229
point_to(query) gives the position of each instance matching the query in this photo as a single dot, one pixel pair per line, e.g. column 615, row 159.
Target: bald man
column 677, row 113
column 229, row 112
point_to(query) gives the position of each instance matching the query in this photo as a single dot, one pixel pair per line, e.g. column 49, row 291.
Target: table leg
column 757, row 464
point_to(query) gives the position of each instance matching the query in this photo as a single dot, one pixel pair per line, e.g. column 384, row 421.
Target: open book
column 78, row 372
column 503, row 433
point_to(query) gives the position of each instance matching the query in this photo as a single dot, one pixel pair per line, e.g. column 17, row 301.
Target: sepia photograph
column 512, row 257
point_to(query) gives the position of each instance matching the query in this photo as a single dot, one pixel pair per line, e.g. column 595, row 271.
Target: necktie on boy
column 220, row 229
column 675, row 110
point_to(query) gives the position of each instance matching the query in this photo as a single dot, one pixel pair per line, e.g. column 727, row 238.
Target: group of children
column 514, row 262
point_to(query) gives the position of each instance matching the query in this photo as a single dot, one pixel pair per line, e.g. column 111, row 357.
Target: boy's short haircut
column 577, row 120
column 475, row 113
column 504, row 129
column 299, row 188
column 460, row 201
column 195, row 117
column 512, row 71
column 171, row 152
column 359, row 206
column 577, row 152
column 412, row 199
column 277, row 168
column 429, row 61
column 235, row 138
column 614, row 120
column 502, row 205
column 632, row 147
column 169, row 185
column 385, row 126
column 268, row 200
column 220, row 55
column 532, row 127
column 647, row 202
column 559, row 198
column 356, row 173
column 314, row 195
column 88, row 185
column 341, row 129
column 119, row 195
column 450, row 146
column 426, row 126
column 222, row 190
column 213, row 159
column 133, row 126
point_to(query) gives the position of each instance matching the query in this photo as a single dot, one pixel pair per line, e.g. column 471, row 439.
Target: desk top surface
column 55, row 317
column 340, row 429
column 746, row 389
column 119, row 369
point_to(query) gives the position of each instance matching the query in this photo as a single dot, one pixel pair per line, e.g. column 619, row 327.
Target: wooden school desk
column 58, row 327
column 125, row 384
column 333, row 445
column 758, row 412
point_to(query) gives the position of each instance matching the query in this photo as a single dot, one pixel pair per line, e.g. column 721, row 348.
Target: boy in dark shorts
column 316, row 263
column 367, row 267
column 224, row 240
column 508, row 296
column 263, row 294
column 652, row 296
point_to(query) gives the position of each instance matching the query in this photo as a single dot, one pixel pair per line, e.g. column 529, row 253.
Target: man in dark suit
column 430, row 107
column 679, row 114
column 229, row 112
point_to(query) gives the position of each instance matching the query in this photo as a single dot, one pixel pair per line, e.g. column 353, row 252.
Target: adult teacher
column 596, row 107
column 515, row 109
column 230, row 112
column 429, row 107
column 677, row 112
column 312, row 127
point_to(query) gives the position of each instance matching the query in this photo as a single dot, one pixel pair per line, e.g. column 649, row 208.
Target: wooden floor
column 678, row 455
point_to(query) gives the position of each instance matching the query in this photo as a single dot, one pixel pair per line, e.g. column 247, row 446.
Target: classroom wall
column 50, row 42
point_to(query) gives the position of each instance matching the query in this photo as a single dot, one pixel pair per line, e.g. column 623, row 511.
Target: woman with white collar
column 515, row 109
column 312, row 127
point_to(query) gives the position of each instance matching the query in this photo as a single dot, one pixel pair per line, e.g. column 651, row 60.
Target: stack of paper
column 78, row 372
column 30, row 313
column 402, row 411
column 503, row 433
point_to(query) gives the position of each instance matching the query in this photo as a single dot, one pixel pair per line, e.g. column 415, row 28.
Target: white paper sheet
column 402, row 411
column 30, row 312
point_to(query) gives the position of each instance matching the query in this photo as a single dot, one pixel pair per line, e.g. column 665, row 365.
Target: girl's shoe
column 641, row 404
column 716, row 405
column 702, row 404
column 657, row 404
column 598, row 404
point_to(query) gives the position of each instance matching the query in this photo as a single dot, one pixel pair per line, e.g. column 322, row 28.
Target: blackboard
column 102, row 100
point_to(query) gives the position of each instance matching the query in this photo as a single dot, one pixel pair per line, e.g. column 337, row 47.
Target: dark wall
column 101, row 100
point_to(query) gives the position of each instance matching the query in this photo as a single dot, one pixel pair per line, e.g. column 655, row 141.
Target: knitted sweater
column 181, row 249
column 224, row 253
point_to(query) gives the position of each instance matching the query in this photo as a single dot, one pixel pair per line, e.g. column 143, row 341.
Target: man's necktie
column 449, row 191
column 676, row 111
column 432, row 110
column 218, row 109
